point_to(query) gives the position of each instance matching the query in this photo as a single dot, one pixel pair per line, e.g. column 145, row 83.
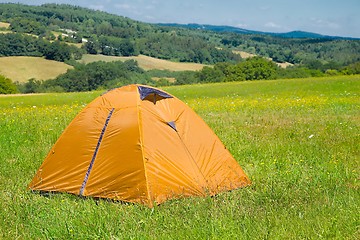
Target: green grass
column 298, row 140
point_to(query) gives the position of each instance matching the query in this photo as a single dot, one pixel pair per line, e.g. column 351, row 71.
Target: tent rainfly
column 138, row 144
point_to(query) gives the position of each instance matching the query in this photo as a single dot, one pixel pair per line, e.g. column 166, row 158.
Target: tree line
column 255, row 68
column 15, row 44
column 107, row 75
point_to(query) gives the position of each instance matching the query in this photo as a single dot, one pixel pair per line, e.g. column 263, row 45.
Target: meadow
column 297, row 139
column 21, row 68
column 145, row 62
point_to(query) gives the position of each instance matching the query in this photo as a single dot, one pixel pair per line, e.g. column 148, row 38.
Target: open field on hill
column 298, row 140
column 249, row 55
column 145, row 62
column 21, row 69
column 57, row 34
column 245, row 54
column 4, row 25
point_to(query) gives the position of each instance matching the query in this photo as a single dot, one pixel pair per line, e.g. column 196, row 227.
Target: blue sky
column 329, row 17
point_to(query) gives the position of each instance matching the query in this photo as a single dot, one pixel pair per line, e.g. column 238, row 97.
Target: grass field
column 21, row 69
column 298, row 140
column 145, row 62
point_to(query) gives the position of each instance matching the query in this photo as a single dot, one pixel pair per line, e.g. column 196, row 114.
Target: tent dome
column 138, row 144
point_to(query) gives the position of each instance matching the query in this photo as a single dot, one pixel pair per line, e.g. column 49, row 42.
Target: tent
column 138, row 144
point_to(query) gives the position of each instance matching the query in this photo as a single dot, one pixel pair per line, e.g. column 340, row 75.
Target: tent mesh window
column 152, row 94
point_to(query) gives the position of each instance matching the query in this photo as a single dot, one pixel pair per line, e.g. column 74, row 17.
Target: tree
column 27, row 26
column 58, row 51
column 352, row 69
column 208, row 74
column 7, row 86
column 91, row 47
column 32, row 86
column 127, row 48
column 234, row 73
column 255, row 68
column 258, row 68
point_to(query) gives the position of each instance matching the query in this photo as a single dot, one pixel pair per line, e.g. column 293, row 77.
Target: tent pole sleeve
column 95, row 153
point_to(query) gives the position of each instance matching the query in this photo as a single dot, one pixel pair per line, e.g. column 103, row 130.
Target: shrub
column 7, row 86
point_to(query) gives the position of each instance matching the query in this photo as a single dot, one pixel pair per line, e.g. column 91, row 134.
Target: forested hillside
column 110, row 34
column 292, row 34
column 115, row 35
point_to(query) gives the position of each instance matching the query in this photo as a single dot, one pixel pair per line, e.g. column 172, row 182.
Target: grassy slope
column 298, row 140
column 146, row 62
column 21, row 69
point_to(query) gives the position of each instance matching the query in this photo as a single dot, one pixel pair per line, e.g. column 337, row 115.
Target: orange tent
column 138, row 144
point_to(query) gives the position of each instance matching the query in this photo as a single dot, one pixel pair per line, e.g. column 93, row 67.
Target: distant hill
column 292, row 34
column 113, row 35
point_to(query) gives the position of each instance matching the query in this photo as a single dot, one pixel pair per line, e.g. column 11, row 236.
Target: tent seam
column 193, row 159
column 142, row 150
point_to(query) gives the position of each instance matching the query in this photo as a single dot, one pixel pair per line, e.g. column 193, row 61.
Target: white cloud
column 130, row 9
column 324, row 23
column 97, row 7
column 123, row 6
column 150, row 18
column 272, row 25
column 241, row 25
